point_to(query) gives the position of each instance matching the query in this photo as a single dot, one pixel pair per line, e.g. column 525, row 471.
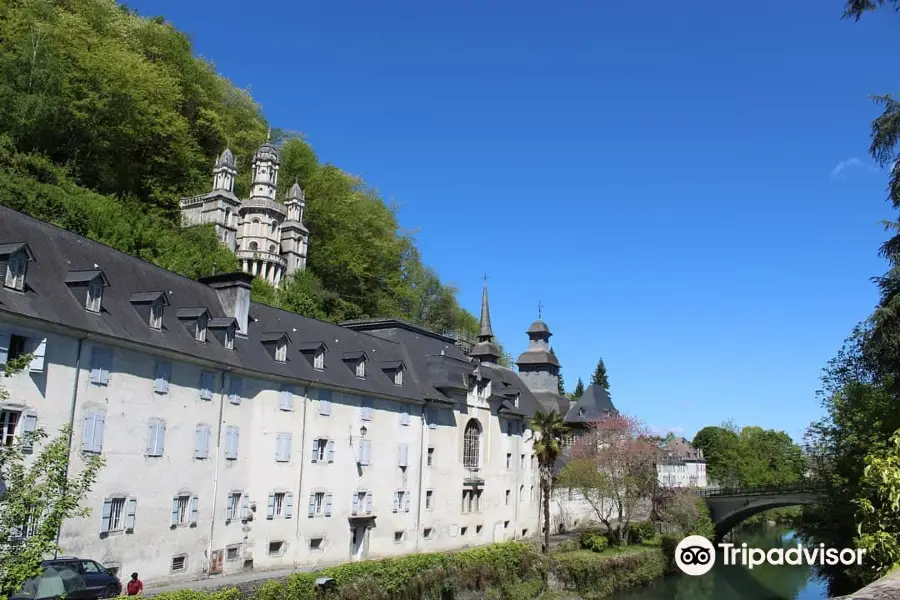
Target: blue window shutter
column 130, row 511
column 355, row 502
column 237, row 389
column 199, row 451
column 396, row 501
column 99, row 425
column 312, row 505
column 4, row 346
column 369, row 503
column 229, row 510
column 404, row 417
column 174, row 520
column 271, row 511
column 236, row 440
column 104, row 516
column 286, row 399
column 328, row 504
column 105, row 365
column 96, row 364
column 245, row 507
column 29, row 424
column 37, row 361
column 206, row 385
column 288, row 505
column 160, row 385
column 87, row 435
column 404, row 454
column 329, row 449
column 195, row 509
column 152, row 426
column 315, row 450
column 207, row 434
column 287, row 447
column 406, row 496
column 161, row 438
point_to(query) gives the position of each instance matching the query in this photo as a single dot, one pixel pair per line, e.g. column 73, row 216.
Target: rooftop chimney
column 234, row 294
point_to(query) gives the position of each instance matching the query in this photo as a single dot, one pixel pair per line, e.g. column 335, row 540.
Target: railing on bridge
column 806, row 487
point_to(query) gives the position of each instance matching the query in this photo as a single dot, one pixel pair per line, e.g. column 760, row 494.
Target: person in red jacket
column 135, row 586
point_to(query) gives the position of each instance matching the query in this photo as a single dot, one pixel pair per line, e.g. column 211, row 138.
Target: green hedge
column 607, row 575
column 507, row 571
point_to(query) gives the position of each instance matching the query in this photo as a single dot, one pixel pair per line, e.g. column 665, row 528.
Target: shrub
column 668, row 545
column 607, row 575
column 596, row 543
column 569, row 545
column 641, row 531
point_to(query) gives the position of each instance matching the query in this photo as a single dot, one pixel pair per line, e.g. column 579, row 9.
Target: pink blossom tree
column 613, row 466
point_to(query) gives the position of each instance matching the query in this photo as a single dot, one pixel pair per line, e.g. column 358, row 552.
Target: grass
column 613, row 551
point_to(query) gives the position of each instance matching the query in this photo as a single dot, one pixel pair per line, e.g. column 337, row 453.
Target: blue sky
column 684, row 185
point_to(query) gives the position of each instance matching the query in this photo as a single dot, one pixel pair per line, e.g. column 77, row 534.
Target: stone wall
column 886, row 588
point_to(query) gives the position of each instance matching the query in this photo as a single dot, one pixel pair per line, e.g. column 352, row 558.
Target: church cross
column 540, row 309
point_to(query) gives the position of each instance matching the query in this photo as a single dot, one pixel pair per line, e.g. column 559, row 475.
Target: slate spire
column 486, row 350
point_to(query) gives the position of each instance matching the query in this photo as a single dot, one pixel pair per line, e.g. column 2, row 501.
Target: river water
column 764, row 582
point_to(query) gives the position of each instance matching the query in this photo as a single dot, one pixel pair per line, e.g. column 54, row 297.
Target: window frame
column 157, row 309
column 94, row 297
column 16, row 269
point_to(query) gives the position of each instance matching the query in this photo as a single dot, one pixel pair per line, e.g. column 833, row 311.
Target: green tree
column 722, row 450
column 579, row 390
column 40, row 495
column 879, row 509
column 549, row 430
column 599, row 376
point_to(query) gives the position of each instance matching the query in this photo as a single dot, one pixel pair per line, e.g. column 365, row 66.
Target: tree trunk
column 545, row 485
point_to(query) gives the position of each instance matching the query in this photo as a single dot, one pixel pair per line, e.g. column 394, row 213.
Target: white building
column 238, row 436
column 268, row 236
column 681, row 465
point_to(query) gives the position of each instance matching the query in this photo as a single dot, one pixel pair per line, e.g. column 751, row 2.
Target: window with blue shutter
column 365, row 409
column 270, row 511
column 245, row 507
column 365, row 452
column 369, row 503
column 161, row 377
column 37, row 356
column 355, row 508
column 286, row 398
column 29, row 425
column 328, row 504
column 288, row 505
column 235, row 390
column 283, row 447
column 201, row 441
column 195, row 505
column 130, row 512
column 101, row 365
column 231, row 443
column 206, row 385
column 403, row 455
column 329, row 450
column 156, row 437
column 324, row 402
column 92, row 435
column 312, row 505
column 105, row 514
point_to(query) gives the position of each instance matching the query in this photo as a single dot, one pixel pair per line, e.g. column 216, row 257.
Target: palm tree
column 548, row 429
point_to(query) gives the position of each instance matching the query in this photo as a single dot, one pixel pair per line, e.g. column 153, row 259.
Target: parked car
column 99, row 582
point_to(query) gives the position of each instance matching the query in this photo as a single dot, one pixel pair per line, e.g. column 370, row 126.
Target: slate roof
column 551, row 401
column 431, row 360
column 592, row 406
column 538, row 357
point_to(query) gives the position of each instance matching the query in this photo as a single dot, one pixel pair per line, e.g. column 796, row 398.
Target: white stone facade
column 268, row 236
column 225, row 522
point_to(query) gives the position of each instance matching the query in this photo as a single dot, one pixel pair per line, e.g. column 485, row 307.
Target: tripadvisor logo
column 696, row 555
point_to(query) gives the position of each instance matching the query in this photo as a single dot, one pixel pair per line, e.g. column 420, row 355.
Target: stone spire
column 486, row 350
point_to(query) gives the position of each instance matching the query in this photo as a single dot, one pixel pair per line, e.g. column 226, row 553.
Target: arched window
column 254, row 245
column 273, row 226
column 472, row 444
column 255, row 221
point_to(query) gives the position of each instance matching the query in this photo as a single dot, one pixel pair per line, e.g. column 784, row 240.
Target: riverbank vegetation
column 853, row 447
column 506, row 571
column 109, row 118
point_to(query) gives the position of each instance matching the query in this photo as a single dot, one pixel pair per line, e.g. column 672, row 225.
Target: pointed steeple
column 486, row 350
column 485, row 334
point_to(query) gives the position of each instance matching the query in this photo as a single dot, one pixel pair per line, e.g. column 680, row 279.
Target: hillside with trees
column 108, row 118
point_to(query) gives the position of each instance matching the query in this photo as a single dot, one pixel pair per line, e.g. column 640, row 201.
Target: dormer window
column 223, row 329
column 314, row 352
column 276, row 342
column 89, row 282
column 151, row 306
column 357, row 358
column 17, row 259
column 196, row 321
column 394, row 370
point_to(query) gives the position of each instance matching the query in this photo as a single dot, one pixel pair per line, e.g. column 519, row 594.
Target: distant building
column 268, row 236
column 681, row 465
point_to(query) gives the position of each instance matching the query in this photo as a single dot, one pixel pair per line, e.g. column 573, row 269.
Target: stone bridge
column 730, row 506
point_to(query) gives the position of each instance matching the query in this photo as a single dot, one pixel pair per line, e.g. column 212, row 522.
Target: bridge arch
column 728, row 508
